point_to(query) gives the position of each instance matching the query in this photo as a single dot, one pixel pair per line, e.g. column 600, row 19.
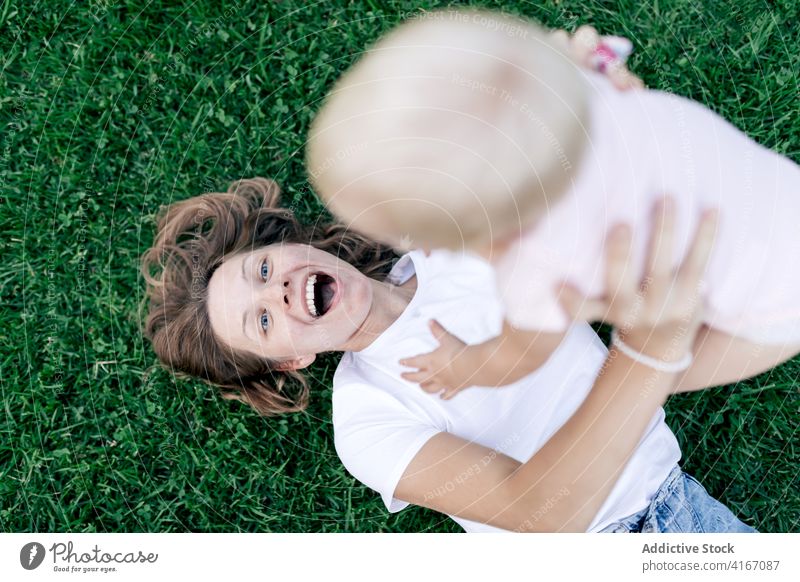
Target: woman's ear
column 295, row 363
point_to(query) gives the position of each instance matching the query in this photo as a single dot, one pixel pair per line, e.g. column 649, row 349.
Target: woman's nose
column 274, row 293
column 278, row 294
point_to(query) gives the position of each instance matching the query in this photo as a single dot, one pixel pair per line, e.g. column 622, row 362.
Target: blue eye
column 264, row 270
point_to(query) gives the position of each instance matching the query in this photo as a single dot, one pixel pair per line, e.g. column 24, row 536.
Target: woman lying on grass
column 243, row 296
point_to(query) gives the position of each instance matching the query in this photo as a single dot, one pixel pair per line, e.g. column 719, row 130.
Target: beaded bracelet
column 649, row 361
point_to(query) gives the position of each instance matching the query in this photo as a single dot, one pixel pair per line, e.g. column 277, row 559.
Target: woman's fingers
column 621, row 280
column 695, row 263
column 662, row 237
column 578, row 306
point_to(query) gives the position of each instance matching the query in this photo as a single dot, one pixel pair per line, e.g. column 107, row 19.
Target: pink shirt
column 641, row 145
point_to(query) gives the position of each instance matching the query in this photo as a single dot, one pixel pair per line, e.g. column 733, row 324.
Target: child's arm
column 502, row 360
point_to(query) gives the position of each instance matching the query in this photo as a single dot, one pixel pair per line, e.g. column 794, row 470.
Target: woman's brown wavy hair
column 194, row 237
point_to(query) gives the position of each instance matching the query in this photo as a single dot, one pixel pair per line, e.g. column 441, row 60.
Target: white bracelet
column 648, row 361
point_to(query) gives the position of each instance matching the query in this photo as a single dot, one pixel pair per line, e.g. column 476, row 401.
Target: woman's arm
column 563, row 486
column 572, row 474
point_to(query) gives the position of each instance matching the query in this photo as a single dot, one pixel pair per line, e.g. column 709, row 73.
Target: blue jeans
column 681, row 505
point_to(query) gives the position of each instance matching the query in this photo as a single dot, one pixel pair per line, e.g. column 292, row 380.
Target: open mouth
column 320, row 291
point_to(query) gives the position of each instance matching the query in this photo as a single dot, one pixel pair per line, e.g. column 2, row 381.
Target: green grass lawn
column 110, row 110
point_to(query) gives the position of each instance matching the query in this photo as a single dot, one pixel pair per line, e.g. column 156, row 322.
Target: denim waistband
column 681, row 505
column 633, row 522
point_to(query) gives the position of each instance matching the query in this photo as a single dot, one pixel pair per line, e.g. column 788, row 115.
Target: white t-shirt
column 642, row 145
column 381, row 421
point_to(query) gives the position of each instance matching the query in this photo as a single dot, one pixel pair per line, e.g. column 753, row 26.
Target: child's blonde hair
column 454, row 128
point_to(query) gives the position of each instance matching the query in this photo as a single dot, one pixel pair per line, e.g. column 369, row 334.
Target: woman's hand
column 661, row 312
column 605, row 54
column 663, row 308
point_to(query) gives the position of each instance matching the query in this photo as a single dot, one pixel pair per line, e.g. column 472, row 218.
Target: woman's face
column 287, row 302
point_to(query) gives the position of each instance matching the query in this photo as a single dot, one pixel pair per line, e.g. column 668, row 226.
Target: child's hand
column 445, row 368
column 605, row 54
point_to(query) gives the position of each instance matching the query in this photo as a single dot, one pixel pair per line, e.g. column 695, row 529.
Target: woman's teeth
column 310, row 295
